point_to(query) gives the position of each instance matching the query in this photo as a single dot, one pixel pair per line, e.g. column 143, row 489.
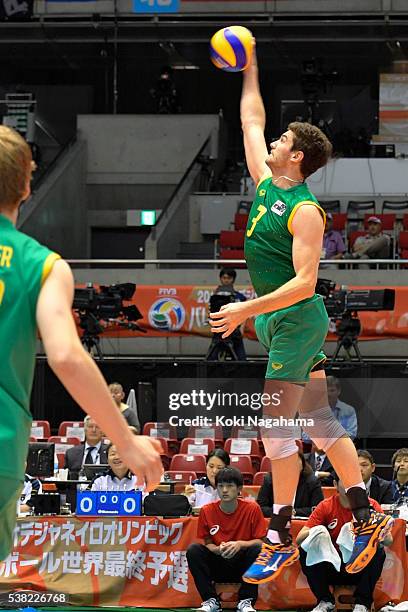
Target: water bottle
column 56, row 466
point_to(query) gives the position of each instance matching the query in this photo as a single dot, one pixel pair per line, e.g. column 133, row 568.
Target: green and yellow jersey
column 269, row 236
column 24, row 266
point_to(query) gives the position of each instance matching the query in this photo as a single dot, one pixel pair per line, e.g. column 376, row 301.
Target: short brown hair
column 15, row 167
column 315, row 145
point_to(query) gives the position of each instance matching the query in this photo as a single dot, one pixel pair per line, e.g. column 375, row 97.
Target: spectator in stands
column 204, row 490
column 400, row 482
column 93, row 450
column 118, row 477
column 165, row 93
column 321, row 466
column 332, row 513
column 118, row 395
column 375, row 244
column 232, row 530
column 343, row 412
column 333, row 243
column 377, row 488
column 226, row 293
column 308, row 492
column 32, row 487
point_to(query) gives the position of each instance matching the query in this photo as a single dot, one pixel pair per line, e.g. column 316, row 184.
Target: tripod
column 92, row 328
column 348, row 332
column 221, row 350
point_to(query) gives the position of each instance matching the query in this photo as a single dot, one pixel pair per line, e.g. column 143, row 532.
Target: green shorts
column 10, row 491
column 294, row 337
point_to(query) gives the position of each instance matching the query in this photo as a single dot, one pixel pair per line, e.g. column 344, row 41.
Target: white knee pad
column 326, row 429
column 278, row 448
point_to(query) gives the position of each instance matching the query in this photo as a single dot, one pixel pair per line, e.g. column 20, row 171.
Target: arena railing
column 391, row 264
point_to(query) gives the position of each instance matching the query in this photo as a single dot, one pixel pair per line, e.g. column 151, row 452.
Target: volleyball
column 231, row 48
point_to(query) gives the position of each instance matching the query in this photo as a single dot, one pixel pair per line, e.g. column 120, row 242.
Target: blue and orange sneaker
column 367, row 536
column 272, row 559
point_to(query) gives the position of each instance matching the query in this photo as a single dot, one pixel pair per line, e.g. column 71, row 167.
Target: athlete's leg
column 327, row 433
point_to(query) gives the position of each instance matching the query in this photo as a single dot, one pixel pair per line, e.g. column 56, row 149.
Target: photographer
column 226, row 294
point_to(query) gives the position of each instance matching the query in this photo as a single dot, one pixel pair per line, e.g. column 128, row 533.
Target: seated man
column 32, row 487
column 118, row 477
column 321, row 466
column 377, row 488
column 308, row 492
column 400, row 482
column 333, row 513
column 232, row 530
column 333, row 243
column 375, row 244
column 344, row 413
column 91, row 451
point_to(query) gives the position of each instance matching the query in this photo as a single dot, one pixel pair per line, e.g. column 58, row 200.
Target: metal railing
column 353, row 263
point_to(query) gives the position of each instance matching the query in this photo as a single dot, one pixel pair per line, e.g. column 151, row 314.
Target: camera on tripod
column 222, row 348
column 105, row 304
column 344, row 304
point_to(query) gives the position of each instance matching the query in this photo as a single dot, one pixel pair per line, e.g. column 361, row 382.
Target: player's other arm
column 81, row 377
column 307, row 228
column 253, row 123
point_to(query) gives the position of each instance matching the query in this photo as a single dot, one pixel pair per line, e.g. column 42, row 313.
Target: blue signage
column 109, row 503
column 156, row 6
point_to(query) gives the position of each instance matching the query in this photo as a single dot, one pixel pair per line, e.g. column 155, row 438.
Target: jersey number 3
column 262, row 210
column 2, row 290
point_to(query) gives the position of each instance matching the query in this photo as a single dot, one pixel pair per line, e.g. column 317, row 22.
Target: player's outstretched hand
column 228, row 318
column 142, row 455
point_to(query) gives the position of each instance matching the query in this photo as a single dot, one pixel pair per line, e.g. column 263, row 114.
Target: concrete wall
column 57, row 213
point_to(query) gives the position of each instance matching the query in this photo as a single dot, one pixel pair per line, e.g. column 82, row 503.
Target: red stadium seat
column 328, row 491
column 184, row 477
column 244, row 465
column 62, row 443
column 405, row 221
column 188, row 444
column 32, row 439
column 61, row 460
column 193, row 463
column 40, row 429
column 231, row 239
column 259, row 478
column 339, row 221
column 240, row 221
column 265, row 465
column 234, row 442
column 245, row 432
column 70, row 429
column 166, row 431
column 215, row 432
column 387, row 221
column 233, row 254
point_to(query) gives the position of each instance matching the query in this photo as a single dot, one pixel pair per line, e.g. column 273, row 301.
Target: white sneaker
column 360, row 608
column 210, row 605
column 325, row 606
column 245, row 605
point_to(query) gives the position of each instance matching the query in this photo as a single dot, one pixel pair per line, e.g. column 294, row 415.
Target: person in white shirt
column 118, row 477
column 203, row 490
column 344, row 413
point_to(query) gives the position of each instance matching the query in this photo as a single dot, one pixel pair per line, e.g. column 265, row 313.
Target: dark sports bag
column 164, row 504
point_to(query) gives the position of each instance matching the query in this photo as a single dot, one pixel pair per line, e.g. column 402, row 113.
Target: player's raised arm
column 253, row 122
column 81, row 377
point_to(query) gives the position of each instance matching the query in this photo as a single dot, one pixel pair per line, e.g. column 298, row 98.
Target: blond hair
column 15, row 167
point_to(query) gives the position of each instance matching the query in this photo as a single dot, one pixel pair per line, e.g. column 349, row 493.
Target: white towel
column 319, row 547
column 345, row 541
column 402, row 606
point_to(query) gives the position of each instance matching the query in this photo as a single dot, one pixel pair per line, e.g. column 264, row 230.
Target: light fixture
column 175, row 60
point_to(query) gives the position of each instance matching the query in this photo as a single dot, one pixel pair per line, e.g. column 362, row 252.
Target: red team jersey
column 332, row 515
column 246, row 523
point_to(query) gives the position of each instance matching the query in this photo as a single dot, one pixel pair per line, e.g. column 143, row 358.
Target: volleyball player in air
column 283, row 244
column 36, row 290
